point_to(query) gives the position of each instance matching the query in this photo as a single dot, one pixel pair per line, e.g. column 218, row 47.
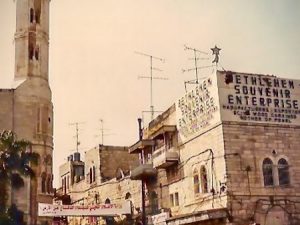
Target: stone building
column 26, row 107
column 225, row 153
column 102, row 177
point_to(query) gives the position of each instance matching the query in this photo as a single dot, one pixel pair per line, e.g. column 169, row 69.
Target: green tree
column 16, row 159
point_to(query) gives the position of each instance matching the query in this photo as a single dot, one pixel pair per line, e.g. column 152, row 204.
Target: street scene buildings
column 224, row 153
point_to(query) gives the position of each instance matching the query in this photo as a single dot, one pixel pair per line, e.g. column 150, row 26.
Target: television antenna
column 76, row 124
column 151, row 77
column 196, row 68
column 102, row 130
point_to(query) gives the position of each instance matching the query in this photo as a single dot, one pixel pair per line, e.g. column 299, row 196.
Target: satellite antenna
column 77, row 133
column 151, row 77
column 196, row 68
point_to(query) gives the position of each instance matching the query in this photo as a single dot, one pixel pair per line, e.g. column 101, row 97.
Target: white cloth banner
column 78, row 210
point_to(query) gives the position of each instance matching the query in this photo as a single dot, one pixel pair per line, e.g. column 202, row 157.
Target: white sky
column 93, row 68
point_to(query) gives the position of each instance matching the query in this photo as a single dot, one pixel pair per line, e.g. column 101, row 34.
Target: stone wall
column 6, row 112
column 114, row 157
column 246, row 146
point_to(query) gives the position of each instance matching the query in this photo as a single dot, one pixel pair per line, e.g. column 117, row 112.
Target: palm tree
column 16, row 159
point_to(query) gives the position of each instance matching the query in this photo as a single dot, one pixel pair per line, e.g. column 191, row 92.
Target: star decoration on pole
column 216, row 52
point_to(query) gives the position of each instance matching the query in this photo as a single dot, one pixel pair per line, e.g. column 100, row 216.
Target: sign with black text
column 259, row 98
column 198, row 109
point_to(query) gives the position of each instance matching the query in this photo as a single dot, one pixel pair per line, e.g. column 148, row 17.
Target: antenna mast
column 196, row 68
column 152, row 78
column 102, row 130
column 77, row 133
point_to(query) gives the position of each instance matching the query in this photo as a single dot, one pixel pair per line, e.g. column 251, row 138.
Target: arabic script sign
column 77, row 210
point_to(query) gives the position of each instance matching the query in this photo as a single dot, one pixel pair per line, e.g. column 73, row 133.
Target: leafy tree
column 16, row 159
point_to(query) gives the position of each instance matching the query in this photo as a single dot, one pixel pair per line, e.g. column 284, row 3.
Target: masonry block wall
column 113, row 158
column 246, row 146
column 6, row 112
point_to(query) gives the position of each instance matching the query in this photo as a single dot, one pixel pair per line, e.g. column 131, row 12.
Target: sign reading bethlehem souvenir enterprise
column 259, row 98
column 198, row 109
column 78, row 210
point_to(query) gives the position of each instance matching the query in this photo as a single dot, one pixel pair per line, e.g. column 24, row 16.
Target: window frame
column 283, row 168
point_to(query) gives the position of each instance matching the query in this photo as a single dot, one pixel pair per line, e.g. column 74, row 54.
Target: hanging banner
column 78, row 210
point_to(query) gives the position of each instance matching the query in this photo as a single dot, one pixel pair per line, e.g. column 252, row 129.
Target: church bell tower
column 32, row 39
column 33, row 109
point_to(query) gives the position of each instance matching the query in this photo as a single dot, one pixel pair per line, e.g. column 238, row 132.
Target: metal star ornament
column 216, row 52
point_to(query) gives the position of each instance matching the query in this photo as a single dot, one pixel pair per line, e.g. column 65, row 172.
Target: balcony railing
column 163, row 158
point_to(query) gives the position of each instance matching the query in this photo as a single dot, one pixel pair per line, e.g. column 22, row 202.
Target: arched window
column 65, row 186
column 283, row 172
column 91, row 175
column 107, row 201
column 128, row 196
column 48, row 160
column 43, row 183
column 37, row 16
column 196, row 181
column 31, row 15
column 94, row 173
column 204, row 182
column 68, row 182
column 268, row 172
column 48, row 181
column 36, row 52
column 30, row 51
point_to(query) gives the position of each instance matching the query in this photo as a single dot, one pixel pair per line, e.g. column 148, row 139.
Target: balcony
column 145, row 144
column 143, row 171
column 163, row 158
column 162, row 131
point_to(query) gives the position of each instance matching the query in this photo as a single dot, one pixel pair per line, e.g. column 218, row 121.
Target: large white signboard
column 77, row 210
column 198, row 109
column 259, row 99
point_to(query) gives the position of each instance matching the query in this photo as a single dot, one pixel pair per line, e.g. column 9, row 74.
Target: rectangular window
column 171, row 200
column 176, row 199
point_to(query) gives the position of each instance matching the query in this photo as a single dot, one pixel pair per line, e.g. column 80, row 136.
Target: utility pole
column 77, row 133
column 151, row 57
